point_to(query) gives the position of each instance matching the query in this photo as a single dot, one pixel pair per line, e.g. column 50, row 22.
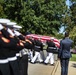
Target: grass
column 73, row 57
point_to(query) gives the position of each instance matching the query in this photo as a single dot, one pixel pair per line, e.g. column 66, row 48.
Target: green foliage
column 1, row 11
column 73, row 57
column 1, row 1
column 73, row 12
column 36, row 16
column 59, row 35
column 72, row 26
column 73, row 34
column 2, row 15
column 73, row 0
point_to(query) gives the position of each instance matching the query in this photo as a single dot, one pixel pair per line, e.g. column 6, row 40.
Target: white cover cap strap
column 1, row 27
column 17, row 33
column 10, row 31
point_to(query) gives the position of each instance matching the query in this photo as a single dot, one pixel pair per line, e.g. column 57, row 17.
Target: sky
column 67, row 2
column 62, row 28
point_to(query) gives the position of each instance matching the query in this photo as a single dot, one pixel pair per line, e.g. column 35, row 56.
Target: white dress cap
column 17, row 27
column 11, row 23
column 4, row 21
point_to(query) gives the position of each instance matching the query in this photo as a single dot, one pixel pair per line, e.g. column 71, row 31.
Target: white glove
column 10, row 31
column 17, row 33
column 1, row 27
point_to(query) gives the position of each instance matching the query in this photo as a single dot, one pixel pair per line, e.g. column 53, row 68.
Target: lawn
column 73, row 57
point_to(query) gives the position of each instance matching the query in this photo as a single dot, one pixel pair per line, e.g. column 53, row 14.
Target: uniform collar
column 66, row 37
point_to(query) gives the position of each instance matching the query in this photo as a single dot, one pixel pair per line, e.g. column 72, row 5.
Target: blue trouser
column 4, row 69
column 64, row 66
column 23, row 64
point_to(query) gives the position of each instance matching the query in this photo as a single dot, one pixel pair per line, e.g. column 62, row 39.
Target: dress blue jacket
column 65, row 46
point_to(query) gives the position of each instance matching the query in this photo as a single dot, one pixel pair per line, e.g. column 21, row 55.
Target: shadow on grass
column 73, row 65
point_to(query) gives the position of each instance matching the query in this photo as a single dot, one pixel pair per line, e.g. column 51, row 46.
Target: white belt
column 52, row 47
column 12, row 58
column 3, row 61
column 17, row 54
column 23, row 52
column 37, row 46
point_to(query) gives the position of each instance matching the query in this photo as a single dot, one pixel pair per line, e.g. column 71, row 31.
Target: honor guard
column 12, row 58
column 31, row 52
column 4, row 65
column 21, row 52
column 51, row 46
column 37, row 48
column 23, row 62
column 6, row 46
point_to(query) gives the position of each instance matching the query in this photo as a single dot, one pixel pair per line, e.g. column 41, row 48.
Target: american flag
column 44, row 39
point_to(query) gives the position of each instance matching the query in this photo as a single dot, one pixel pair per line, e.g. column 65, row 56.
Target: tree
column 73, row 23
column 1, row 9
column 73, row 35
column 37, row 16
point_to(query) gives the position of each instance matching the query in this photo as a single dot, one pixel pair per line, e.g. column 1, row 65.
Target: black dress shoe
column 52, row 64
column 32, row 62
column 42, row 62
column 45, row 64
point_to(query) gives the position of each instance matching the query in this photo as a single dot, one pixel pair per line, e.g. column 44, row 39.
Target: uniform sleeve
column 60, row 49
column 8, row 43
column 21, row 37
column 5, row 33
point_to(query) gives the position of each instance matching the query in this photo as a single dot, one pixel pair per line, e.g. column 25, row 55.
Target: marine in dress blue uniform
column 12, row 51
column 37, row 48
column 51, row 46
column 7, row 43
column 64, row 53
